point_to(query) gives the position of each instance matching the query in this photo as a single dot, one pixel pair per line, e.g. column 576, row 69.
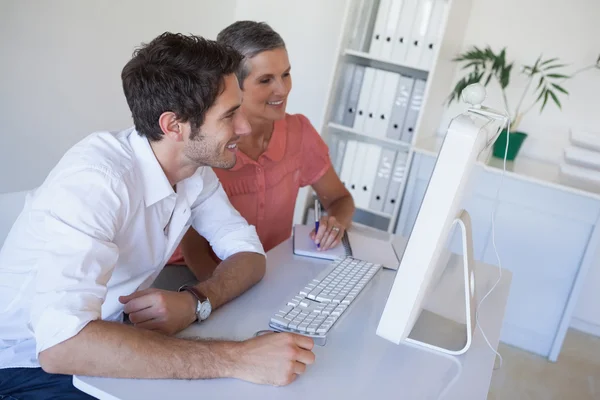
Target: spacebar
column 324, row 299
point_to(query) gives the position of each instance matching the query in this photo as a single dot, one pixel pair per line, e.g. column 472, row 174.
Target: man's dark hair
column 178, row 73
column 249, row 38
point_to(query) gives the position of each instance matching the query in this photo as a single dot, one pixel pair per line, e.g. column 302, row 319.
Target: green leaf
column 505, row 76
column 473, row 63
column 488, row 79
column 555, row 99
column 540, row 83
column 555, row 66
column 545, row 100
column 556, row 76
column 537, row 62
column 541, row 94
column 549, row 61
column 560, row 88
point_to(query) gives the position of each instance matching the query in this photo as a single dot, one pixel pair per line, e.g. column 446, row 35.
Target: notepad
column 353, row 244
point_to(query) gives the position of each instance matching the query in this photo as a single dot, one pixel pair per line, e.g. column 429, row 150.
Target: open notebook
column 353, row 244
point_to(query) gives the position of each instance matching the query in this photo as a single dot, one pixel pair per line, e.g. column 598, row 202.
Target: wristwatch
column 203, row 308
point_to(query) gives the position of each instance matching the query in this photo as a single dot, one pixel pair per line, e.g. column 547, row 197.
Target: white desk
column 354, row 364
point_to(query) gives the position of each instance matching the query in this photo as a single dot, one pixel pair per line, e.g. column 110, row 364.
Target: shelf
column 381, row 63
column 523, row 167
column 368, row 138
column 537, row 171
column 378, row 213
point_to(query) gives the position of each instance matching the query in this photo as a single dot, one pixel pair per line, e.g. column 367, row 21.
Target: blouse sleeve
column 315, row 154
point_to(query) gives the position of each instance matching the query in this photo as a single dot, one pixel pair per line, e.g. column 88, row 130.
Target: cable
column 496, row 201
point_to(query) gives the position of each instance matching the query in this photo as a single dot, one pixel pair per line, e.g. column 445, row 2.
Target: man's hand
column 160, row 310
column 330, row 233
column 274, row 359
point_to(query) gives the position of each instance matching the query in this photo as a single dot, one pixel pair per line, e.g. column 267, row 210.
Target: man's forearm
column 233, row 277
column 343, row 210
column 112, row 349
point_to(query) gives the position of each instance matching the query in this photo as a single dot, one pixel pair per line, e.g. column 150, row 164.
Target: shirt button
column 259, row 169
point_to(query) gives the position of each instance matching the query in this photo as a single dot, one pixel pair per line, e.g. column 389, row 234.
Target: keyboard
column 314, row 310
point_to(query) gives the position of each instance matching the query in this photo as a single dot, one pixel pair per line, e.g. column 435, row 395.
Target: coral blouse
column 265, row 191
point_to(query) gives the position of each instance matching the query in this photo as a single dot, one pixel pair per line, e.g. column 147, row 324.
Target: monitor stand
column 441, row 326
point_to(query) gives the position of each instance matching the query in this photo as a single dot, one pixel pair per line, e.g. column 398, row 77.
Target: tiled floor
column 525, row 376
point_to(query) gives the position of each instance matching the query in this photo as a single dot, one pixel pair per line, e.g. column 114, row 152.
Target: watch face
column 205, row 309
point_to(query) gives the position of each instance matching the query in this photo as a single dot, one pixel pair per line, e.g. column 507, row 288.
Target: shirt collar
column 156, row 184
column 275, row 150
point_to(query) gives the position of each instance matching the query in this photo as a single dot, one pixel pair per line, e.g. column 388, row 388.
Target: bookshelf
column 392, row 75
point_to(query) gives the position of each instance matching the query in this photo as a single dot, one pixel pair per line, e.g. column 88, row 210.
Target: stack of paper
column 581, row 164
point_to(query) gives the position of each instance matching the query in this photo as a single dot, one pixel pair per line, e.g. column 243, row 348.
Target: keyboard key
column 302, row 327
column 280, row 321
column 315, row 292
column 322, row 329
column 308, row 305
column 285, row 309
column 324, row 298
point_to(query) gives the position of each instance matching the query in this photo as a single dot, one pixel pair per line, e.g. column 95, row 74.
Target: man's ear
column 171, row 127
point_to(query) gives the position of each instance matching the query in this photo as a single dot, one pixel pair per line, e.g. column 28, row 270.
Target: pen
column 317, row 217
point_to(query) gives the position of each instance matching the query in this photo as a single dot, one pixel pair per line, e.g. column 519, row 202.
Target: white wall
column 556, row 28
column 311, row 30
column 60, row 71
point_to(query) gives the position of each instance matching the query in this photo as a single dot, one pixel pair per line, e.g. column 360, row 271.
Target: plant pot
column 515, row 141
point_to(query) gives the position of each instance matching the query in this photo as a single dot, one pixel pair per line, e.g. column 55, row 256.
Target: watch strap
column 193, row 290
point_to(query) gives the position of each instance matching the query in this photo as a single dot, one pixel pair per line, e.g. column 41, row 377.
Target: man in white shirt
column 94, row 236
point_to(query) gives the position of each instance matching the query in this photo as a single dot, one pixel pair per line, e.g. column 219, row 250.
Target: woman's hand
column 330, row 233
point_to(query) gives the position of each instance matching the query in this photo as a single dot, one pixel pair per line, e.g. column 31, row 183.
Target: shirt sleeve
column 220, row 223
column 315, row 154
column 77, row 214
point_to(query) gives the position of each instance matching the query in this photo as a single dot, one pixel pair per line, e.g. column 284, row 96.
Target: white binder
column 345, row 85
column 361, row 35
column 368, row 171
column 386, row 103
column 357, row 173
column 348, row 163
column 418, row 32
column 390, row 29
column 363, row 99
column 414, row 108
column 379, row 28
column 352, row 103
column 434, row 34
column 382, row 179
column 337, row 148
column 403, row 30
column 400, row 107
column 375, row 103
column 395, row 182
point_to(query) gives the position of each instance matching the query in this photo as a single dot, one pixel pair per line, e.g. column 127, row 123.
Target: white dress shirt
column 102, row 225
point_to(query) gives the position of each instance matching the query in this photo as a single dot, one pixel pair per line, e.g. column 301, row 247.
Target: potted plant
column 483, row 65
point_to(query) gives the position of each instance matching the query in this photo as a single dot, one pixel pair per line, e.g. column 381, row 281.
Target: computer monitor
column 468, row 135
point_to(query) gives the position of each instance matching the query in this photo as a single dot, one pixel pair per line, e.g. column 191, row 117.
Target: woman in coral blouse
column 282, row 154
